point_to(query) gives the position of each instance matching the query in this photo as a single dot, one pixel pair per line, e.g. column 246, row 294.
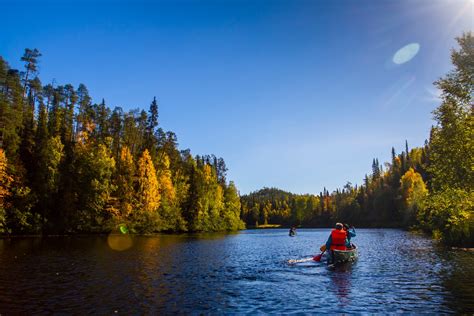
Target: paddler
column 336, row 240
column 350, row 233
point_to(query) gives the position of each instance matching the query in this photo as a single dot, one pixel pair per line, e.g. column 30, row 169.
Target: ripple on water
column 244, row 273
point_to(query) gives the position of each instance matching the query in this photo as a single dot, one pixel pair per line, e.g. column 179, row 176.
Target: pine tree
column 101, row 119
column 30, row 57
column 115, row 132
column 152, row 123
column 84, row 121
column 56, row 112
column 375, row 169
column 70, row 100
column 11, row 111
column 407, row 151
column 48, row 177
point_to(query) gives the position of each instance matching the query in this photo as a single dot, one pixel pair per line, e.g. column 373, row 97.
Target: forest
column 68, row 165
column 428, row 188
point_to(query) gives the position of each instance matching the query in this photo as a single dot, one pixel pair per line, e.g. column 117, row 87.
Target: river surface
column 243, row 273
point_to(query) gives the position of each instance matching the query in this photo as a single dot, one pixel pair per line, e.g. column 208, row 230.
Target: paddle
column 317, row 258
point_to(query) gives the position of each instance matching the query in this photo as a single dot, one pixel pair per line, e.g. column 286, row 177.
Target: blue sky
column 292, row 94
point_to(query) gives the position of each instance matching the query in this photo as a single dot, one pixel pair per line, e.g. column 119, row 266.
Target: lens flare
column 406, row 53
column 119, row 242
column 123, row 229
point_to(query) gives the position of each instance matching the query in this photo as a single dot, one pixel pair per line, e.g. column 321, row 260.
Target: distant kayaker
column 350, row 233
column 292, row 231
column 336, row 240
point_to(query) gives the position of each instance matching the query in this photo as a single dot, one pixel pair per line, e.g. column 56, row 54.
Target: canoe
column 343, row 256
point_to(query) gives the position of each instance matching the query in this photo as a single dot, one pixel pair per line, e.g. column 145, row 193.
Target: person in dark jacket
column 350, row 233
column 292, row 231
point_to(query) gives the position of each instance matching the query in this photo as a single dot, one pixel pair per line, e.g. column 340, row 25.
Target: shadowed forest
column 68, row 165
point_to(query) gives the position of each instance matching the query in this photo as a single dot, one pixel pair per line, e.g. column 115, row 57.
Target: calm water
column 246, row 272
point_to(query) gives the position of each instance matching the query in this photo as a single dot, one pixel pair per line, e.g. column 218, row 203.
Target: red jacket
column 338, row 239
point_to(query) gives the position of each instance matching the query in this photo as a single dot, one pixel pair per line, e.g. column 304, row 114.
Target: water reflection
column 240, row 273
column 341, row 282
column 458, row 279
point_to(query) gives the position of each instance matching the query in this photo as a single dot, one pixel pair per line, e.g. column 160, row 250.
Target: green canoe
column 342, row 256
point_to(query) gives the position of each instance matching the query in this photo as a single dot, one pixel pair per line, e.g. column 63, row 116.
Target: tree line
column 68, row 165
column 430, row 188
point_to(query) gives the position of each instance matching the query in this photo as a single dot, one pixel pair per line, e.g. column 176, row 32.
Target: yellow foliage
column 207, row 173
column 126, row 158
column 166, row 184
column 89, row 126
column 148, row 190
column 219, row 196
column 5, row 178
column 413, row 187
column 82, row 137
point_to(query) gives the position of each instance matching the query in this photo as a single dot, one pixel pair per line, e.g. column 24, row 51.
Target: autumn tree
column 126, row 183
column 149, row 197
column 5, row 183
column 413, row 191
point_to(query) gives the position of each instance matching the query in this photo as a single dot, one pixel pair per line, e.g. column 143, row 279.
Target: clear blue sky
column 292, row 94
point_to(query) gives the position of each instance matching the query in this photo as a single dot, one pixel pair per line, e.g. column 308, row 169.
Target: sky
column 294, row 94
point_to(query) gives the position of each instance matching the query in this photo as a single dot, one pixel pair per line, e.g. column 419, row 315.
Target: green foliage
column 94, row 169
column 231, row 214
column 449, row 214
column 3, row 221
column 449, row 210
column 452, row 139
column 52, row 154
column 20, row 217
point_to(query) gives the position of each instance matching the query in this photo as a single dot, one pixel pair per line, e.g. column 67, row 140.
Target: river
column 246, row 272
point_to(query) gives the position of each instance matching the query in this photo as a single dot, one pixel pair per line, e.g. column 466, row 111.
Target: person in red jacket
column 337, row 240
